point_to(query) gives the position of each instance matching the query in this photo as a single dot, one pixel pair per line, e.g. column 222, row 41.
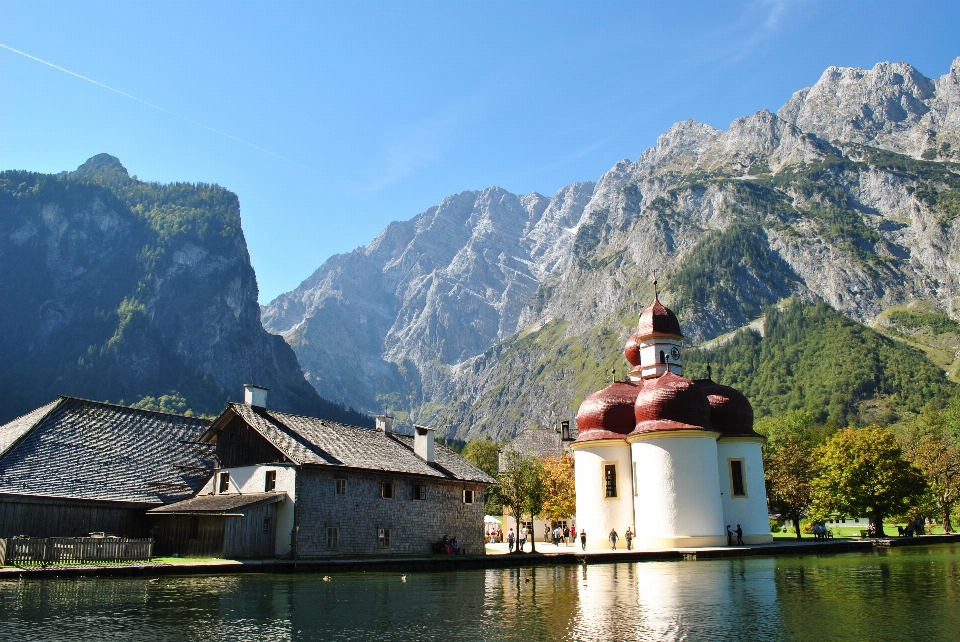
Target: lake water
column 895, row 594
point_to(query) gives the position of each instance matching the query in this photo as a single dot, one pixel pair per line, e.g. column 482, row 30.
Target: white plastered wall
column 596, row 513
column 749, row 511
column 678, row 498
column 252, row 479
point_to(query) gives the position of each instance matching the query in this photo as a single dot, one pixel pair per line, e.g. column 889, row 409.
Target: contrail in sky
column 157, row 107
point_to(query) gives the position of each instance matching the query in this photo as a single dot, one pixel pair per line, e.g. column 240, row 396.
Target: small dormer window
column 224, row 482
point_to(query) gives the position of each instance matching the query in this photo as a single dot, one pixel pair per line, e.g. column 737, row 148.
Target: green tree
column 933, row 446
column 514, row 484
column 537, row 492
column 483, row 453
column 789, row 471
column 863, row 472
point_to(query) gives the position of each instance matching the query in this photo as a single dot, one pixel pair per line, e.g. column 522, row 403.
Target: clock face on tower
column 675, row 353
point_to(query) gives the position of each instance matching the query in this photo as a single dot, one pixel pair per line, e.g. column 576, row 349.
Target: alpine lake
column 889, row 594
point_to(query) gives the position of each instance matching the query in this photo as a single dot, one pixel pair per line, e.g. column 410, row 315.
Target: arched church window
column 663, row 357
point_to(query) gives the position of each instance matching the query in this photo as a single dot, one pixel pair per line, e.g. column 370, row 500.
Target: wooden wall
column 240, row 445
column 244, row 536
column 42, row 517
column 189, row 535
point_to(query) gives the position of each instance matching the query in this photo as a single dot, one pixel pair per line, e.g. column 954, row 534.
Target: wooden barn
column 76, row 466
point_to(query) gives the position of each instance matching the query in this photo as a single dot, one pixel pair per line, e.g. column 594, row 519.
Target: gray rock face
column 108, row 301
column 484, row 313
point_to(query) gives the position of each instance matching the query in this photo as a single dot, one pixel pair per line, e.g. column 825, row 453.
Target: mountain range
column 812, row 255
column 493, row 311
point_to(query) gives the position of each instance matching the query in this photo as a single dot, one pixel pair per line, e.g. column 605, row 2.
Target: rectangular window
column 737, row 488
column 610, row 480
column 333, row 534
column 267, row 524
column 419, row 492
column 383, row 537
column 468, row 497
column 224, row 482
column 341, row 486
column 270, row 481
column 386, row 490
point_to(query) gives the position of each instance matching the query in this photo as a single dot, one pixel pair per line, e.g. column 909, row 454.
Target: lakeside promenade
column 497, row 557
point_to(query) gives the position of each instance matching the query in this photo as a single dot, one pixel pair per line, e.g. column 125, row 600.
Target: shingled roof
column 217, row 504
column 540, row 442
column 308, row 441
column 81, row 449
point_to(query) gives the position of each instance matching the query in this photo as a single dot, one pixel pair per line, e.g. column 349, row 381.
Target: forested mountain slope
column 116, row 289
column 492, row 311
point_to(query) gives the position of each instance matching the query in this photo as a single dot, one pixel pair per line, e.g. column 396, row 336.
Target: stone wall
column 359, row 514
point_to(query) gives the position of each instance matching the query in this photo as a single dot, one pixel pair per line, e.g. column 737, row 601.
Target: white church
column 674, row 459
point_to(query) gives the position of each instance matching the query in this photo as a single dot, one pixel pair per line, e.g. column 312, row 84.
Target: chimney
column 423, row 443
column 254, row 395
column 564, row 430
column 385, row 424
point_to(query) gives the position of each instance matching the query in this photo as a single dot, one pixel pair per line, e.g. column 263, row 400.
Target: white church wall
column 750, row 509
column 596, row 513
column 678, row 499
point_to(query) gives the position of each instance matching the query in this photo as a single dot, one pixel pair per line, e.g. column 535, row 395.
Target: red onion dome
column 671, row 402
column 657, row 319
column 730, row 412
column 632, row 351
column 608, row 413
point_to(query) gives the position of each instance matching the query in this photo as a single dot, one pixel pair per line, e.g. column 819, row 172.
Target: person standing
column 510, row 539
column 566, row 536
column 583, row 540
column 739, row 535
column 523, row 538
column 613, row 539
column 546, row 533
column 729, row 536
column 573, row 534
column 556, row 536
column 629, row 537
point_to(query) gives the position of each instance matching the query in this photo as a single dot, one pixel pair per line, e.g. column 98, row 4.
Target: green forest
column 811, row 358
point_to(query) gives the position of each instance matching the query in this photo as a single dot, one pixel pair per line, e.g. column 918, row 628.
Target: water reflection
column 893, row 595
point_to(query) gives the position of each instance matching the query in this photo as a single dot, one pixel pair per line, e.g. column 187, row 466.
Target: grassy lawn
column 890, row 530
column 186, row 560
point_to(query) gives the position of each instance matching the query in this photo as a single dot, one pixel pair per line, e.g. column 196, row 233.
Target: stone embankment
column 497, row 558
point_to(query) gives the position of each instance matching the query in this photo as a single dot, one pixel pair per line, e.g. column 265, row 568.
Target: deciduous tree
column 863, row 472
column 561, row 501
column 789, row 469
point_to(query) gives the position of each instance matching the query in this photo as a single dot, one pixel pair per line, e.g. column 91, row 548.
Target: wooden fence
column 29, row 551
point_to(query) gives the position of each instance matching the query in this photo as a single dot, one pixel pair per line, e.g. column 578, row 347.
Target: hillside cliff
column 118, row 289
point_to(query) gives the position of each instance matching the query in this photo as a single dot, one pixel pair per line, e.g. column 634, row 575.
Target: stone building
column 76, row 466
column 675, row 460
column 317, row 488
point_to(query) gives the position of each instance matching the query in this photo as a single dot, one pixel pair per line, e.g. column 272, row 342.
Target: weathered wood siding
column 41, row 517
column 240, row 445
column 189, row 535
column 245, row 536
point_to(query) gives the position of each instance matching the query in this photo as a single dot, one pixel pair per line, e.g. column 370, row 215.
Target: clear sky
column 339, row 117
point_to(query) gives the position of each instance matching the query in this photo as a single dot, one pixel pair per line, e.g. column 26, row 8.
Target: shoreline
column 550, row 555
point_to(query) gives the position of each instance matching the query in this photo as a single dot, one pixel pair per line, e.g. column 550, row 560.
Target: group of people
column 820, row 530
column 912, row 528
column 451, row 546
column 613, row 537
column 558, row 533
column 730, row 534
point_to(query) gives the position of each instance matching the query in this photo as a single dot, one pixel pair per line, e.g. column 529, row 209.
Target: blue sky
column 371, row 112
